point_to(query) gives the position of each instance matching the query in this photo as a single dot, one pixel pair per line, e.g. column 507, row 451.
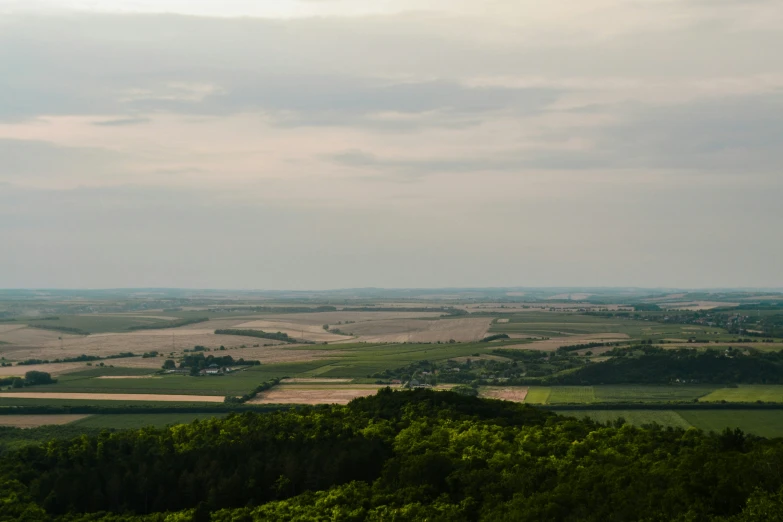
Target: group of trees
column 195, row 362
column 32, row 378
column 417, row 455
column 278, row 336
column 78, row 358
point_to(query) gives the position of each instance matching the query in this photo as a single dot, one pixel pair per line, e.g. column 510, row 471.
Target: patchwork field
column 46, row 345
column 561, row 324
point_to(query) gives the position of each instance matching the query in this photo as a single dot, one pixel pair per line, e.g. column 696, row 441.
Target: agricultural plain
column 345, row 345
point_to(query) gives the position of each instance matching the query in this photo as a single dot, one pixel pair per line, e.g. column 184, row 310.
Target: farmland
column 747, row 393
column 765, row 423
column 350, row 346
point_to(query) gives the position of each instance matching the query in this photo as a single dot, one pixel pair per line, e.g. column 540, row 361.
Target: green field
column 747, row 393
column 571, row 395
column 635, row 417
column 614, row 393
column 141, row 420
column 650, row 393
column 538, row 395
column 764, row 423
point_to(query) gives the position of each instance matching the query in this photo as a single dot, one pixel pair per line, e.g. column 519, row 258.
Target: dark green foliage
column 199, row 362
column 658, row 366
column 35, row 378
column 252, row 395
column 169, row 324
column 78, row 358
column 495, row 337
column 417, row 455
column 279, row 336
column 584, row 346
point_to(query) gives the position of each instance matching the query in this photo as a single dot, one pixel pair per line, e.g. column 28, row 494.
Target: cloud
column 599, row 141
column 120, row 122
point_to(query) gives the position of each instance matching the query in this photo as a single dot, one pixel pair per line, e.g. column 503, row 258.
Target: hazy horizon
column 339, row 144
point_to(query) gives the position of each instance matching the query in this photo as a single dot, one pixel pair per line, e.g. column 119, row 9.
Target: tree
column 169, row 364
column 34, row 378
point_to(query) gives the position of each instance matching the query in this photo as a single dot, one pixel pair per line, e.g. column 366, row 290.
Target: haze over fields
column 302, row 144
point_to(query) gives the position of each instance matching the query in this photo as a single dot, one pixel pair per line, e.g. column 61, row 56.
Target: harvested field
column 34, row 421
column 115, row 397
column 421, row 331
column 514, row 394
column 5, row 328
column 332, row 318
column 311, row 332
column 553, row 344
column 304, row 395
column 27, row 336
column 47, row 347
column 53, row 368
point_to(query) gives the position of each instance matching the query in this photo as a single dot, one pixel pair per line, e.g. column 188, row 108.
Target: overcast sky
column 312, row 144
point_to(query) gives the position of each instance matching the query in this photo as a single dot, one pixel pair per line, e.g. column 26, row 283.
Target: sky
column 316, row 144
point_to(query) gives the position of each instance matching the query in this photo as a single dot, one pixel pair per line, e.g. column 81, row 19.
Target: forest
column 413, row 455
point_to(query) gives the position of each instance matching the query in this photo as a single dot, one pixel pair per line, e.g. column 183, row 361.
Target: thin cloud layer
column 588, row 143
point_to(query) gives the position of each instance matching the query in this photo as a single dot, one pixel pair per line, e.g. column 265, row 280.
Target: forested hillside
column 417, row 455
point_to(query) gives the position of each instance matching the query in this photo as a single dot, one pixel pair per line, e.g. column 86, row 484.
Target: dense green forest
column 417, row 455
